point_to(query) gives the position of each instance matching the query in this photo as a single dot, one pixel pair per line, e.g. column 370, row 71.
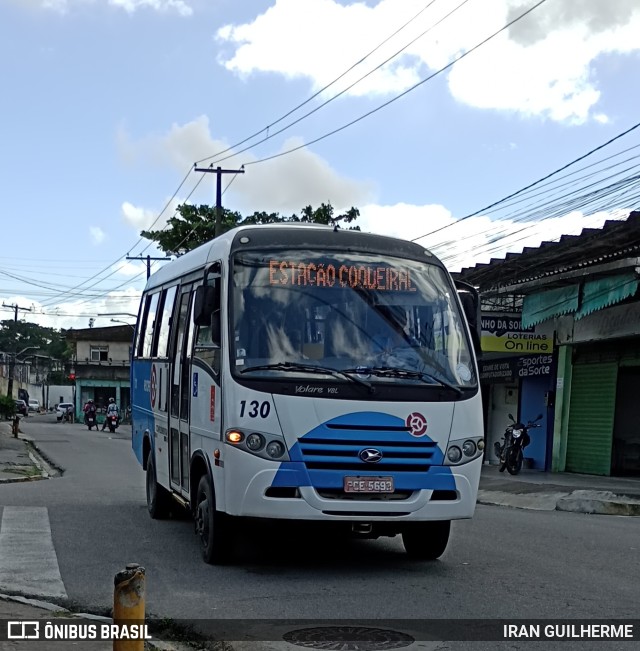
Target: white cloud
column 181, row 147
column 299, row 179
column 180, row 7
column 128, row 268
column 541, row 66
column 97, row 234
column 76, row 314
column 285, row 184
column 139, row 218
column 477, row 239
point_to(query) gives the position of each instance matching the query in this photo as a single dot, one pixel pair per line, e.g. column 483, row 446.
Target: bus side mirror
column 470, row 301
column 204, row 305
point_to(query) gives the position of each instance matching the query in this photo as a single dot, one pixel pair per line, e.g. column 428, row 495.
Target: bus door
column 180, row 394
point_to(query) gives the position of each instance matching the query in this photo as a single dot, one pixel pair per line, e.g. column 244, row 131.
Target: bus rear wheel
column 212, row 526
column 426, row 541
column 158, row 498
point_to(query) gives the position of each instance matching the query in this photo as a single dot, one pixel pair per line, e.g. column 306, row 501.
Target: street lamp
column 12, row 365
column 125, row 323
column 135, row 316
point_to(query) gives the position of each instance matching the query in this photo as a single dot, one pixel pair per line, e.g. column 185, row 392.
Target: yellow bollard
column 128, row 604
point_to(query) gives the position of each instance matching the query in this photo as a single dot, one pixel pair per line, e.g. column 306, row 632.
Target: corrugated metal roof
column 616, row 239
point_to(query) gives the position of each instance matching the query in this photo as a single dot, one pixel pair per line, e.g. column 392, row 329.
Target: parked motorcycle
column 515, row 440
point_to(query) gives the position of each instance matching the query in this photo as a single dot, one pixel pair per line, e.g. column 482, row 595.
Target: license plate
column 368, row 484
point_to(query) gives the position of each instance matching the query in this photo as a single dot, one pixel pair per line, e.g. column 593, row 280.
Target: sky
column 422, row 114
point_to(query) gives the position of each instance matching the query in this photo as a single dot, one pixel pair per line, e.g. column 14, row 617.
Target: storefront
column 518, row 377
column 603, row 423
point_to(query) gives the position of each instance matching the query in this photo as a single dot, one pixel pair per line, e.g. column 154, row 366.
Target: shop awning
column 542, row 306
column 594, row 295
column 602, row 292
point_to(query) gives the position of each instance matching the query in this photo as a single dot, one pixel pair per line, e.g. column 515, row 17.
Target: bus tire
column 212, row 526
column 426, row 541
column 158, row 497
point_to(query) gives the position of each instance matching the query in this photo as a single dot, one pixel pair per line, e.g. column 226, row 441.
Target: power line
column 312, row 97
column 360, row 61
column 218, row 171
column 406, row 92
column 531, row 185
column 588, row 196
column 509, row 24
column 342, row 92
column 136, row 243
column 148, row 261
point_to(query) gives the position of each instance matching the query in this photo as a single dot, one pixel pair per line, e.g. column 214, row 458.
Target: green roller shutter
column 591, row 414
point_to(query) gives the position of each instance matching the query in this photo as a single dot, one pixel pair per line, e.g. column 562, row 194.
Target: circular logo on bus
column 154, row 383
column 417, row 424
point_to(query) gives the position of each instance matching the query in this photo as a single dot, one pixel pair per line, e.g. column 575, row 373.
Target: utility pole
column 12, row 361
column 218, row 171
column 148, row 259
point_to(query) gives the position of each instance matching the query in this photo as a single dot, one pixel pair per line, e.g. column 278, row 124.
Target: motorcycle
column 515, row 440
column 112, row 422
column 90, row 421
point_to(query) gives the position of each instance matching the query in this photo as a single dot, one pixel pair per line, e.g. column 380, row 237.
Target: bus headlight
column 469, row 448
column 259, row 444
column 454, row 454
column 464, row 450
column 275, row 449
column 255, row 441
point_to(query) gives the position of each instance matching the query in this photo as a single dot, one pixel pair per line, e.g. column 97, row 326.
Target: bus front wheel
column 426, row 541
column 213, row 527
column 158, row 498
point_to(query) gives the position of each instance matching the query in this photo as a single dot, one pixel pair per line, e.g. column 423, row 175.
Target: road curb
column 528, row 501
column 46, row 464
column 599, row 504
column 577, row 501
column 57, row 610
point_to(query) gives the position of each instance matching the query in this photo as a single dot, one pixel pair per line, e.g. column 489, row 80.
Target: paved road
column 503, row 563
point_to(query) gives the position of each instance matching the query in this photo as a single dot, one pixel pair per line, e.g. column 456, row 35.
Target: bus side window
column 150, row 325
column 164, row 327
column 178, row 352
column 206, row 318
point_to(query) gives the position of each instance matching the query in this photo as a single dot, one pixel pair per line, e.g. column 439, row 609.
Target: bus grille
column 341, row 453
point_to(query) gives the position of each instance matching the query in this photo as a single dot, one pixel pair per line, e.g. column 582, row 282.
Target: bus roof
column 219, row 247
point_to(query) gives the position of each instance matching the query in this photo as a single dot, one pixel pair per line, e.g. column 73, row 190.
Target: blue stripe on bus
column 322, row 457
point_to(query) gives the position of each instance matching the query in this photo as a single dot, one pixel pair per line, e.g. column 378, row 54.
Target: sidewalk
column 32, row 610
column 19, row 458
column 560, row 491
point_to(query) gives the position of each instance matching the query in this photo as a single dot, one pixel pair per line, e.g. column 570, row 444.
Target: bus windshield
column 388, row 320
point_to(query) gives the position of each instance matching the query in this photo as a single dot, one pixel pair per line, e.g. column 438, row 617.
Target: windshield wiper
column 392, row 371
column 292, row 367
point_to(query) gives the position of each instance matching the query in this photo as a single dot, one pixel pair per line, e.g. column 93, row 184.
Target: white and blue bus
column 308, row 373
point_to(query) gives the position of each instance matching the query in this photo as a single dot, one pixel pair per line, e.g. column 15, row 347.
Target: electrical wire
column 317, row 93
column 78, row 286
column 531, row 185
column 342, row 92
column 399, row 96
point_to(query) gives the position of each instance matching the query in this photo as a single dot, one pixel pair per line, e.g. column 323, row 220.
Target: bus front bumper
column 254, row 501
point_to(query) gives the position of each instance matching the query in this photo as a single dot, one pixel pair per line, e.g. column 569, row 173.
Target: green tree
column 16, row 335
column 192, row 226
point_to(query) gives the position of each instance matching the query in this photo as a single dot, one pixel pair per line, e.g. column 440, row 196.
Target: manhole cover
column 348, row 638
